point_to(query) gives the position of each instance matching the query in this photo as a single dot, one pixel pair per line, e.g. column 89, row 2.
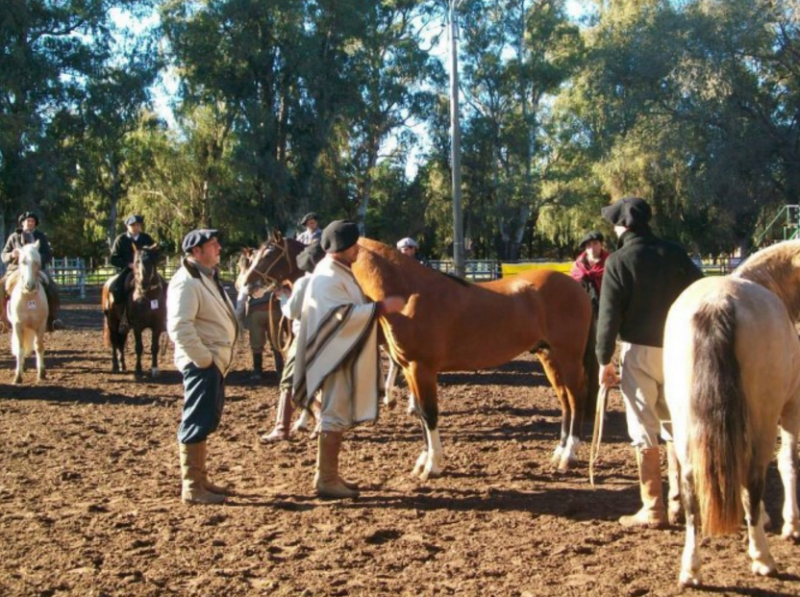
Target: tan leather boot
column 208, row 483
column 674, row 504
column 327, row 481
column 652, row 514
column 193, row 490
column 283, row 420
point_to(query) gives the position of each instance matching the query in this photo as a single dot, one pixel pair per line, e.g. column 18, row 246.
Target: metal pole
column 455, row 147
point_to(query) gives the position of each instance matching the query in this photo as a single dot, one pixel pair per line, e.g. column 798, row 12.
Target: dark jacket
column 642, row 280
column 122, row 251
column 17, row 240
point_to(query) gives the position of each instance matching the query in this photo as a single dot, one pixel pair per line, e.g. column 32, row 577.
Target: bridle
column 270, row 282
column 143, row 289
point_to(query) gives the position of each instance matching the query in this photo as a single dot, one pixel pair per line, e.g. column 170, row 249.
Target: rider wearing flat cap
column 122, row 255
column 201, row 322
column 642, row 279
column 338, row 324
column 312, row 233
column 27, row 234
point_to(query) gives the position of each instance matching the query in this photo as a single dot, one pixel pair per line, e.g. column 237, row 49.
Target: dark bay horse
column 733, row 355
column 453, row 325
column 146, row 308
column 265, row 269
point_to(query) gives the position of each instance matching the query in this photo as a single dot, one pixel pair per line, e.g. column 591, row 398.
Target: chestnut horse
column 733, row 357
column 452, row 325
column 146, row 307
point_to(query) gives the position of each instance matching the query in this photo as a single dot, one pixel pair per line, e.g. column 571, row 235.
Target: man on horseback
column 337, row 352
column 122, row 258
column 312, row 233
column 642, row 279
column 409, row 247
column 26, row 234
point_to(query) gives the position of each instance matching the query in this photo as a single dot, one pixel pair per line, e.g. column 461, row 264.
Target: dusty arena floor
column 89, row 496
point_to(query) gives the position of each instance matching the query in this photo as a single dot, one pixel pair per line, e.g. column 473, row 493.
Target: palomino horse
column 452, row 325
column 27, row 310
column 146, row 307
column 732, row 358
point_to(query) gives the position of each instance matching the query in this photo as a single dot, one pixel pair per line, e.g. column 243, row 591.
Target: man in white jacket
column 201, row 321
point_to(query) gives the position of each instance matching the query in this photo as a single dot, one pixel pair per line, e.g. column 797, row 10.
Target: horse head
column 273, row 262
column 30, row 262
column 145, row 268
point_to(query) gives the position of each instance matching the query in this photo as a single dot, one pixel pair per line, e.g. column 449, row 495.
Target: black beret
column 631, row 212
column 593, row 235
column 307, row 217
column 339, row 236
column 27, row 214
column 309, row 257
column 131, row 220
column 197, row 238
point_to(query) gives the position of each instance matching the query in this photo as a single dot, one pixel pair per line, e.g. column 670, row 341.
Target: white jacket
column 200, row 322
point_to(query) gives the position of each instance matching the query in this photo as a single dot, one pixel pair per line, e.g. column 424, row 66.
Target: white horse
column 732, row 363
column 27, row 310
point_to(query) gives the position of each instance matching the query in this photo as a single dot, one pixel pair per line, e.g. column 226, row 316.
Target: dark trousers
column 204, row 398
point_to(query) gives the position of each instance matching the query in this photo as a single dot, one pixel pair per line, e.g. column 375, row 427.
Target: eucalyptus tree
column 50, row 52
column 516, row 55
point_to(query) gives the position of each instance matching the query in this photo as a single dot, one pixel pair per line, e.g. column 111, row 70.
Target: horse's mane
column 388, row 257
column 777, row 268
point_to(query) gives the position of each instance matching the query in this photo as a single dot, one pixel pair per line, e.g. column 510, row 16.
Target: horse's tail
column 591, row 369
column 104, row 299
column 718, row 414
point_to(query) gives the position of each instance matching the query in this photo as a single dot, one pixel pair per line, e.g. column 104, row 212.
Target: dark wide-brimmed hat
column 136, row 219
column 631, row 212
column 593, row 235
column 339, row 236
column 27, row 214
column 309, row 216
column 197, row 238
column 309, row 257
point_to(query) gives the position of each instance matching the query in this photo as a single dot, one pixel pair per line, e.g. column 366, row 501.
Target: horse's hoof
column 764, row 569
column 790, row 532
column 41, row 377
column 389, row 402
column 688, row 579
column 17, row 380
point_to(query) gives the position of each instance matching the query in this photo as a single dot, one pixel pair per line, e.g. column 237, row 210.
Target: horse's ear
column 248, row 252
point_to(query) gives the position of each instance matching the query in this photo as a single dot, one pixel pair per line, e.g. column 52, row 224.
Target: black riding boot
column 258, row 365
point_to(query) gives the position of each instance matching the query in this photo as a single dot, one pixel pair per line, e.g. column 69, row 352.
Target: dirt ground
column 89, row 495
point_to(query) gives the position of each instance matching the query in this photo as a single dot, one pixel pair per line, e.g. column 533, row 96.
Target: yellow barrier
column 512, row 269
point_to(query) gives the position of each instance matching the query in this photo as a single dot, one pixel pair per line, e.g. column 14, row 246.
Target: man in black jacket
column 122, row 256
column 26, row 234
column 642, row 279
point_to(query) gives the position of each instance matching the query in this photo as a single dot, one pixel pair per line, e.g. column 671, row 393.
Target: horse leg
column 758, row 546
column 38, row 345
column 690, row 561
column 787, row 465
column 423, row 384
column 155, row 336
column 564, row 454
column 391, row 377
column 18, row 348
column 137, row 335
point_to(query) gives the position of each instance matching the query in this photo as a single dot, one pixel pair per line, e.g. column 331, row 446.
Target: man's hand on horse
column 391, row 304
column 608, row 375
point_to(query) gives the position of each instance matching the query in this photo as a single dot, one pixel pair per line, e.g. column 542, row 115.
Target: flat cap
column 339, row 236
column 136, row 219
column 197, row 238
column 631, row 212
column 309, row 216
column 406, row 242
column 27, row 214
column 309, row 257
column 593, row 235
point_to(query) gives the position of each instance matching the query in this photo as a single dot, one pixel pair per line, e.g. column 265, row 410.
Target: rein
column 270, row 281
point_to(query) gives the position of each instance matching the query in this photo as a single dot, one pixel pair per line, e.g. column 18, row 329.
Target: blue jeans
column 204, row 398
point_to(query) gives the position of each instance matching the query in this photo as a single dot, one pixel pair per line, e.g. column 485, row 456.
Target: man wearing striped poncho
column 337, row 352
